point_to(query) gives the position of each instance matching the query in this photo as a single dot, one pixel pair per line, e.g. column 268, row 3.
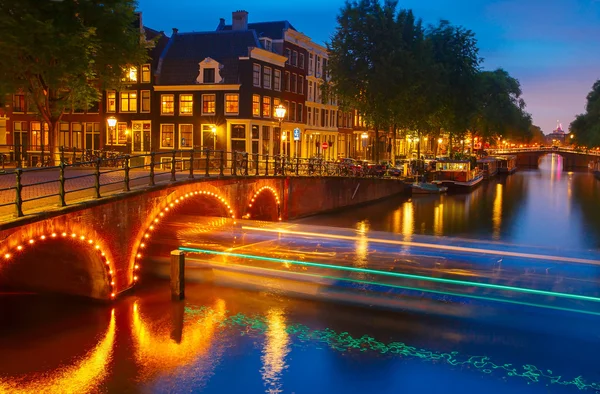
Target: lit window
column 186, row 104
column 146, row 73
column 266, row 107
column 208, row 104
column 128, row 101
column 167, row 136
column 111, row 101
column 167, row 104
column 185, row 136
column 255, row 105
column 131, row 75
column 232, row 103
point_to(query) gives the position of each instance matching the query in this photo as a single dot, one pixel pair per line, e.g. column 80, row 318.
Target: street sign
column 297, row 134
column 324, row 145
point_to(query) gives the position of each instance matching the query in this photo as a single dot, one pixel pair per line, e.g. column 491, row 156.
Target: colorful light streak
column 427, row 245
column 398, row 275
column 344, row 342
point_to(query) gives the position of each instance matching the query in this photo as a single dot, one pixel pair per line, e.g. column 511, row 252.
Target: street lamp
column 112, row 122
column 280, row 112
column 214, row 132
column 437, row 148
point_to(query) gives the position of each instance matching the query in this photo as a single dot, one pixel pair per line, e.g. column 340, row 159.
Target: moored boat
column 507, row 164
column 457, row 174
column 427, row 188
column 488, row 166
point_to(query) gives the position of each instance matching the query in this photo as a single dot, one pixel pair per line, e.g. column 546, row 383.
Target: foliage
column 586, row 127
column 64, row 53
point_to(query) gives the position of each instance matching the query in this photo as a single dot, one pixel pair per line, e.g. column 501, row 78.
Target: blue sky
column 551, row 46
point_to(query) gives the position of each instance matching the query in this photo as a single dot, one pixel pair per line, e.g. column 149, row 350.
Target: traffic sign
column 325, row 145
column 297, row 134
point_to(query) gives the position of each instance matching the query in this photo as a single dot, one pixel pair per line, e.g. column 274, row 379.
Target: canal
column 223, row 340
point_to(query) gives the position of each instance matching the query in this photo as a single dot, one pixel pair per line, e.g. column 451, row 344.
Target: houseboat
column 507, row 164
column 488, row 166
column 457, row 174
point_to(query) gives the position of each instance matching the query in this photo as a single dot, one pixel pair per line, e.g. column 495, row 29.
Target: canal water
column 223, row 340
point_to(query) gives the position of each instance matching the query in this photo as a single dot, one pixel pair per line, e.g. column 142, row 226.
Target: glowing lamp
column 280, row 112
column 112, row 121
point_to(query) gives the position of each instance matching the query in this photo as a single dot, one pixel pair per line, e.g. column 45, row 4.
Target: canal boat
column 507, row 164
column 488, row 166
column 595, row 166
column 427, row 188
column 457, row 174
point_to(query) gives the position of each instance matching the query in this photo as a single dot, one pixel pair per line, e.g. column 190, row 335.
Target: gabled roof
column 159, row 44
column 273, row 30
column 180, row 59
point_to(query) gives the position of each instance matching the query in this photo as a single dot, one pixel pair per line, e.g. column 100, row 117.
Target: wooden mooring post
column 177, row 275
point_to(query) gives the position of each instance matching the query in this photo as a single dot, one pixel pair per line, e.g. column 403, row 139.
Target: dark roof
column 273, row 30
column 159, row 44
column 185, row 50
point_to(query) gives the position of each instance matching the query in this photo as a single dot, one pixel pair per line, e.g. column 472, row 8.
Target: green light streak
column 398, row 275
column 344, row 342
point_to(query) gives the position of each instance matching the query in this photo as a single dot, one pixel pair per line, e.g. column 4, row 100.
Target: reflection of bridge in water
column 392, row 270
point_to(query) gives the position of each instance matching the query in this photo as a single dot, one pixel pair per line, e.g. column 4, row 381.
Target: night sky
column 551, row 46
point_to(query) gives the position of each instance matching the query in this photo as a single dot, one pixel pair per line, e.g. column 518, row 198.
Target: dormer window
column 209, row 71
column 267, row 43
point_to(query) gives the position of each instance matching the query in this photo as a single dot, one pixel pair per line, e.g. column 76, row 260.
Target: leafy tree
column 63, row 54
column 586, row 127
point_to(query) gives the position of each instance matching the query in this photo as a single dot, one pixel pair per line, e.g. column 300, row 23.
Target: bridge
column 82, row 229
column 573, row 159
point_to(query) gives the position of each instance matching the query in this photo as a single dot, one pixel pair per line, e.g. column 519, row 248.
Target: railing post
column 74, row 156
column 97, row 178
column 126, row 179
column 191, row 176
column 256, row 163
column 61, row 184
column 234, row 164
column 222, row 163
column 177, row 275
column 245, row 161
column 18, row 190
column 62, row 154
column 173, row 162
column 207, row 169
column 297, row 166
column 266, row 165
column 152, row 168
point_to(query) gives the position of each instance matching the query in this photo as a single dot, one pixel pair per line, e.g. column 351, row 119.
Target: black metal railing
column 76, row 175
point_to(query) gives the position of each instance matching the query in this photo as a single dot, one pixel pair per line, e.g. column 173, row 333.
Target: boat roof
column 486, row 159
column 452, row 161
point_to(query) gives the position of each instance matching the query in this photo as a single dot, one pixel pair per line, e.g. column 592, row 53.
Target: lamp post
column 112, row 123
column 364, row 138
column 280, row 112
column 437, row 148
column 214, row 133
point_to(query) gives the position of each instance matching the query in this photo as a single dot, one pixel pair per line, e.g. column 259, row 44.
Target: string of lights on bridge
column 258, row 192
column 91, row 243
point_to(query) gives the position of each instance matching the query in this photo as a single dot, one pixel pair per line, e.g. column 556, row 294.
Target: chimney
column 221, row 24
column 175, row 31
column 239, row 20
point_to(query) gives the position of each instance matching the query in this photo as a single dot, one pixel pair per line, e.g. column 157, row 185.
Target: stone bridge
column 96, row 248
column 530, row 157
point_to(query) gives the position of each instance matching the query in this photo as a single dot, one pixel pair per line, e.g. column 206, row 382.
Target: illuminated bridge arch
column 169, row 205
column 97, row 262
column 254, row 203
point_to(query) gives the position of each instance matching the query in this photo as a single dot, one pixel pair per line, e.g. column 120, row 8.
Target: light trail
column 430, row 246
column 398, row 275
column 418, row 289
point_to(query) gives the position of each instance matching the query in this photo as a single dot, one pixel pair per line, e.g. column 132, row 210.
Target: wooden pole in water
column 177, row 275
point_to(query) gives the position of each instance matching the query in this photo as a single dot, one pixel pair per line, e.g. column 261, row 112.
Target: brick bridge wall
column 96, row 249
column 571, row 161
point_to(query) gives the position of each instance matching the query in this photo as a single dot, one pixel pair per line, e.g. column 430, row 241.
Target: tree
column 586, row 127
column 63, row 54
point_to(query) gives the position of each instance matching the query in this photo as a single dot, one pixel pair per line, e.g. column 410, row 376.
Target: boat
column 596, row 168
column 507, row 164
column 488, row 166
column 427, row 188
column 457, row 174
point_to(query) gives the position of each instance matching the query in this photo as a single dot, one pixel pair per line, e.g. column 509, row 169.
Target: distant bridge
column 573, row 159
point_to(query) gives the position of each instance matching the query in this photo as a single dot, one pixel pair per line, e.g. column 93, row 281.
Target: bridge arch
column 81, row 262
column 167, row 206
column 254, row 203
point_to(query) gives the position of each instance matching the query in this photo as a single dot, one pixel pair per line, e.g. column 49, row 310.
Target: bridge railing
column 545, row 149
column 94, row 174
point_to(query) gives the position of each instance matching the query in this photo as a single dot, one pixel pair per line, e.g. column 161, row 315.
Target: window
column 232, row 103
column 301, row 61
column 36, row 136
column 255, row 136
column 186, row 136
column 121, row 133
column 186, row 104
column 309, row 116
column 21, row 138
column 267, row 77
column 266, row 138
column 287, row 81
column 300, row 84
column 266, row 112
column 276, row 103
column 299, row 113
column 145, row 101
column 208, row 137
column 277, row 80
column 92, row 135
column 208, row 75
column 128, row 101
column 294, row 82
column 238, row 138
column 266, row 43
column 287, row 113
column 256, row 74
column 77, row 135
column 294, row 58
column 208, row 104
column 310, row 91
column 146, row 73
column 167, row 136
column 293, row 112
column 19, row 103
column 288, row 55
column 255, row 105
column 318, row 67
column 94, row 108
column 167, row 104
column 111, row 101
column 63, row 136
column 311, row 64
column 131, row 75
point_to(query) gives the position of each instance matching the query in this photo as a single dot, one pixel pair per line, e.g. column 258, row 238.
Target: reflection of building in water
column 497, row 212
column 408, row 220
column 277, row 346
column 362, row 244
column 83, row 377
column 157, row 351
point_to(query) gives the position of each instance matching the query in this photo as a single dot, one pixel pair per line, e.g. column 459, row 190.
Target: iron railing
column 32, row 189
